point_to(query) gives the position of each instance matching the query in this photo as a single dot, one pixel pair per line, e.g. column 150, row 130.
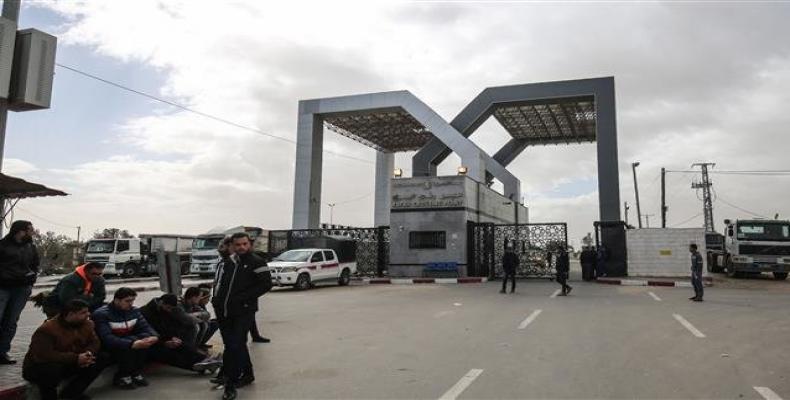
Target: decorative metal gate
column 371, row 247
column 535, row 244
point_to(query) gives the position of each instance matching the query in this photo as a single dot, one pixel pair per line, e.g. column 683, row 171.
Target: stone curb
column 707, row 281
column 417, row 281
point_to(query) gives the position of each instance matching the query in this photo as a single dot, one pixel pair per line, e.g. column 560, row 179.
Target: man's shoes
column 569, row 290
column 562, row 294
column 207, row 364
column 229, row 393
column 140, row 380
column 6, row 360
column 697, row 299
column 512, row 291
column 124, row 383
column 502, row 291
column 261, row 339
column 245, row 380
column 218, row 380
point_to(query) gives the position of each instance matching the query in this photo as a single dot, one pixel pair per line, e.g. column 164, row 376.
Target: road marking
column 654, row 296
column 688, row 326
column 556, row 292
column 767, row 393
column 462, row 384
column 529, row 319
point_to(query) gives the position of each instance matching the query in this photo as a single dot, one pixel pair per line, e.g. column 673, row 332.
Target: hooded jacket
column 72, row 286
column 56, row 341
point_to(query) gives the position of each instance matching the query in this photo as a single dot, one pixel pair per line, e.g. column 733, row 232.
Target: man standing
column 587, row 260
column 563, row 271
column 509, row 264
column 18, row 271
column 241, row 280
column 86, row 284
column 64, row 347
column 696, row 272
column 126, row 335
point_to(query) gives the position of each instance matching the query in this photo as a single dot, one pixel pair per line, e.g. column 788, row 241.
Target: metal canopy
column 389, row 130
column 16, row 188
column 549, row 121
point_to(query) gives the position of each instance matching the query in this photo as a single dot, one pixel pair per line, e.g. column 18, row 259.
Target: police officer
column 563, row 271
column 696, row 272
column 241, row 279
column 509, row 263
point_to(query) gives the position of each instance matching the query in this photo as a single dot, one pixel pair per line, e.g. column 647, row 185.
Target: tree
column 55, row 251
column 112, row 233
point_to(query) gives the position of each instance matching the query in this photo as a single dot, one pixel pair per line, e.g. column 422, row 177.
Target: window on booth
column 427, row 240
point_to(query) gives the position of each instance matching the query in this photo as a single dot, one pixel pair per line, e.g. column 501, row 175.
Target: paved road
column 470, row 342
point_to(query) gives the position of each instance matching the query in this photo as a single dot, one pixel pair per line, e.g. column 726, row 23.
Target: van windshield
column 294, row 255
column 209, row 243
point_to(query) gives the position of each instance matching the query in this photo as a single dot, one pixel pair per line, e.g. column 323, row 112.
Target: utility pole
column 11, row 12
column 647, row 219
column 663, row 197
column 707, row 202
column 79, row 229
column 636, row 192
column 625, row 205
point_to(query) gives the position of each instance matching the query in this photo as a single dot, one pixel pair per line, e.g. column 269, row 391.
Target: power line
column 201, row 113
column 352, row 200
column 739, row 208
column 686, row 220
column 755, row 173
column 45, row 219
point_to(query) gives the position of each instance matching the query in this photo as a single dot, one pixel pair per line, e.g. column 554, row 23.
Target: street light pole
column 636, row 192
column 331, row 213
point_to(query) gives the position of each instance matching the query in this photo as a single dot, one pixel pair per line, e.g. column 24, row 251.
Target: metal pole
column 663, row 197
column 625, row 206
column 636, row 192
column 331, row 213
column 11, row 12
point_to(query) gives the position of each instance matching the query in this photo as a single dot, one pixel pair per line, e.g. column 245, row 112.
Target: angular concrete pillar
column 606, row 141
column 385, row 165
column 307, row 182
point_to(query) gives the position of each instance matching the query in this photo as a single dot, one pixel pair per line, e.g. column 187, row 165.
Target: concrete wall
column 662, row 252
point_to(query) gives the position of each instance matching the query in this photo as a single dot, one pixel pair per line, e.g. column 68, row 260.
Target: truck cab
column 205, row 256
column 119, row 256
column 756, row 246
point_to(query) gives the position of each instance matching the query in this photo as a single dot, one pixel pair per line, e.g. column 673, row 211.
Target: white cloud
column 694, row 82
column 14, row 166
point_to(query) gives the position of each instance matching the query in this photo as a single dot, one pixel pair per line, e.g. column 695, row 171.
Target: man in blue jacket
column 126, row 335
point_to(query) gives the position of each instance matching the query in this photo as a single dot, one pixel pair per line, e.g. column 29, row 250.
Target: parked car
column 301, row 268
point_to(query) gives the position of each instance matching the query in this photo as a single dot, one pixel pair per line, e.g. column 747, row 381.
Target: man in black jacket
column 563, row 271
column 241, row 279
column 509, row 264
column 18, row 271
column 86, row 284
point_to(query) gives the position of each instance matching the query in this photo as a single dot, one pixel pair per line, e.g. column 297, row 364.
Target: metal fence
column 535, row 244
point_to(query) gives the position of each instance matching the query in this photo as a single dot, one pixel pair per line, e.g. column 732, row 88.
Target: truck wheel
column 731, row 269
column 710, row 263
column 129, row 270
column 303, row 281
column 345, row 277
column 780, row 276
column 184, row 268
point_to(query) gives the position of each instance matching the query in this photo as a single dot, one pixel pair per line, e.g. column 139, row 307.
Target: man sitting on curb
column 86, row 283
column 65, row 347
column 194, row 305
column 172, row 349
column 126, row 335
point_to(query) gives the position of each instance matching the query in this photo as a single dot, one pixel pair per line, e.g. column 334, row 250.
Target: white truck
column 754, row 246
column 129, row 257
column 204, row 248
column 301, row 268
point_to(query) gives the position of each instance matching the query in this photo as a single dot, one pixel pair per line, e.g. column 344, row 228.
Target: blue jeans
column 12, row 302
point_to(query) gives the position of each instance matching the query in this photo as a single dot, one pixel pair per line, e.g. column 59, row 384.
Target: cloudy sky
column 694, row 82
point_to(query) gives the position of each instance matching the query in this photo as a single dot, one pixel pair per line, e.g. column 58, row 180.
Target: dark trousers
column 562, row 279
column 236, row 357
column 254, row 333
column 47, row 377
column 696, row 281
column 130, row 362
column 183, row 357
column 12, row 302
column 512, row 276
column 209, row 329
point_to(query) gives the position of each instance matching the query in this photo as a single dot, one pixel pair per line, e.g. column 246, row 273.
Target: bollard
column 169, row 272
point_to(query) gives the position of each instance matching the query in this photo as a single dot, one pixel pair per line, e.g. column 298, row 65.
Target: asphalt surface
column 470, row 342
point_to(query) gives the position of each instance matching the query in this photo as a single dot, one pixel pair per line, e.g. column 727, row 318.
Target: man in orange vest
column 86, row 283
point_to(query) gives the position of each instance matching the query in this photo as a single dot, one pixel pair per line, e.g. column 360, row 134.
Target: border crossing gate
column 535, row 244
